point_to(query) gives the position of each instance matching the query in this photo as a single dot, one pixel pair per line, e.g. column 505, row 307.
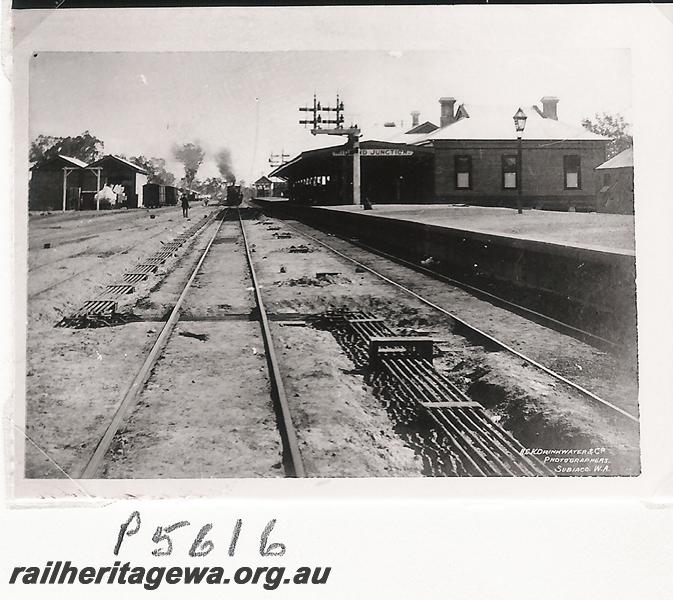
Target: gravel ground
column 536, row 408
column 75, row 378
column 206, row 410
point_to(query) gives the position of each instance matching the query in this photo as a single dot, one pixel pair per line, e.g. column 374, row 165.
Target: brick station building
column 476, row 157
column 471, row 158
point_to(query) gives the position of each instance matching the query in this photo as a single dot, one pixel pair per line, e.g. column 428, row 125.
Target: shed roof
column 69, row 161
column 495, row 123
column 75, row 162
column 123, row 161
column 619, row 161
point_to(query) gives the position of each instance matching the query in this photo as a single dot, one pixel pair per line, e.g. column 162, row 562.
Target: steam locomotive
column 234, row 195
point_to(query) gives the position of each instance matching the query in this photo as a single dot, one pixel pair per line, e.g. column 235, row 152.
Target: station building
column 266, row 187
column 471, row 158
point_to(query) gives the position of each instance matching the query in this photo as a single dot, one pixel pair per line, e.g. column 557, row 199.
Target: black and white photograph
column 336, row 301
column 331, row 264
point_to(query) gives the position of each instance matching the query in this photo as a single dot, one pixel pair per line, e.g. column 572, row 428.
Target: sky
column 145, row 102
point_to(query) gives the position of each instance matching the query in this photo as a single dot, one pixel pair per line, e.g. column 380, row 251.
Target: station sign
column 376, row 152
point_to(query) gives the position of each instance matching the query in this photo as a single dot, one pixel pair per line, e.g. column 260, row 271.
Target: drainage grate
column 154, row 261
column 453, row 434
column 119, row 289
column 134, row 277
column 98, row 307
column 143, row 269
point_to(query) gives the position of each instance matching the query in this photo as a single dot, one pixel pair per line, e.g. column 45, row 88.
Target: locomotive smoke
column 223, row 162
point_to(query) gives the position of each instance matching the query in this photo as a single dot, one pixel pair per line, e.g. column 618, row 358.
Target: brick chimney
column 414, row 118
column 549, row 107
column 446, row 116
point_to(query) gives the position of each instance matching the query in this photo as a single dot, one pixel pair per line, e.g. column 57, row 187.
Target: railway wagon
column 156, row 194
column 234, row 195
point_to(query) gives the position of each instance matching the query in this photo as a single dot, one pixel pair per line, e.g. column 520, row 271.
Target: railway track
column 487, row 338
column 132, row 394
column 400, row 370
column 291, row 457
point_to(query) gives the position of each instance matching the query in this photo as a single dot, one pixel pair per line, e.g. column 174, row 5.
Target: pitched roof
column 69, row 160
column 128, row 163
column 75, row 162
column 619, row 161
column 495, row 123
column 263, row 179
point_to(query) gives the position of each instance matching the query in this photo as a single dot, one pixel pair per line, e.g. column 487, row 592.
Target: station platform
column 579, row 268
column 592, row 231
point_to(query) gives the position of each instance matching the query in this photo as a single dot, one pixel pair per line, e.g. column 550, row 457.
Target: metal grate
column 134, row 277
column 98, row 307
column 144, row 269
column 119, row 289
column 477, row 443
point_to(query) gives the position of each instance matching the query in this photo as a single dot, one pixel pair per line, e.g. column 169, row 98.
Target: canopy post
column 65, row 189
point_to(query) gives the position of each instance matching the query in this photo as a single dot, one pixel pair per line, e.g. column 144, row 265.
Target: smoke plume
column 223, row 162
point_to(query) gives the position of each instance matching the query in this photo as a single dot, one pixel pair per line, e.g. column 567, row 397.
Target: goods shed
column 114, row 171
column 55, row 183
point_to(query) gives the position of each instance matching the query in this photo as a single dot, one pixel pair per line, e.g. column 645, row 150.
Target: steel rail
column 474, row 329
column 457, row 447
column 133, row 392
column 494, row 450
column 505, row 437
column 293, row 459
column 492, row 454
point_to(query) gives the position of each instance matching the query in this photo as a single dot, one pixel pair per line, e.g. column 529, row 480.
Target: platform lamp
column 519, row 124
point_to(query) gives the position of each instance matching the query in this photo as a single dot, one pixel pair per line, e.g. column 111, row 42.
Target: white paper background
column 608, row 538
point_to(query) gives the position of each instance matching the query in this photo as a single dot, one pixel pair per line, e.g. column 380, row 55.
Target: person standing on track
column 185, row 206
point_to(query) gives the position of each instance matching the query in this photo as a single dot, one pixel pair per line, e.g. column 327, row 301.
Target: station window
column 572, row 174
column 463, row 172
column 510, row 170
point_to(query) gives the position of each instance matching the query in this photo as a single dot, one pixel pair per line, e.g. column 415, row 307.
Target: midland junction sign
column 376, row 152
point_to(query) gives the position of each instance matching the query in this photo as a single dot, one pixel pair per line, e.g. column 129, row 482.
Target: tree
column 40, row 145
column 86, row 147
column 214, row 187
column 191, row 155
column 156, row 169
column 613, row 127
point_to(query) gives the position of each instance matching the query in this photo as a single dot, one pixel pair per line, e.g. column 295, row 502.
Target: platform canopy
column 311, row 162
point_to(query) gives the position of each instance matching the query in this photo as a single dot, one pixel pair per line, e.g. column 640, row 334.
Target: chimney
column 549, row 107
column 446, row 116
column 414, row 118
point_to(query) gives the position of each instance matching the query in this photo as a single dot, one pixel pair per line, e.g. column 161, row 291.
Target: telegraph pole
column 353, row 133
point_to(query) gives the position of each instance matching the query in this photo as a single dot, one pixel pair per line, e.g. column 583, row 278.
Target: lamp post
column 519, row 124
